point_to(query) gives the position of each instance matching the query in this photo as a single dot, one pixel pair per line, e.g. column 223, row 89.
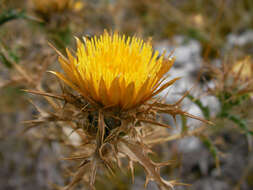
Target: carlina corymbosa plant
column 232, row 80
column 115, row 81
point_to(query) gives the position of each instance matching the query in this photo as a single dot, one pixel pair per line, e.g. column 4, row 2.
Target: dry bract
column 113, row 109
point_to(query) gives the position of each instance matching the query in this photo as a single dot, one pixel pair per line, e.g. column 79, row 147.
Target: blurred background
column 210, row 39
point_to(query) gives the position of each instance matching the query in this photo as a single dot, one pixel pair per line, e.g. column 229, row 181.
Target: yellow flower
column 77, row 6
column 116, row 71
column 50, row 6
column 243, row 68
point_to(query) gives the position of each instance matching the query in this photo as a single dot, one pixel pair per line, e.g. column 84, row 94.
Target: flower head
column 50, row 6
column 115, row 71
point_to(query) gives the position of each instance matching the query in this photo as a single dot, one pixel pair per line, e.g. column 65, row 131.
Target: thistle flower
column 116, row 71
column 115, row 112
column 52, row 6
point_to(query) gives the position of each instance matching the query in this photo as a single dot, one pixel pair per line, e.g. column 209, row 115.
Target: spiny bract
column 115, row 71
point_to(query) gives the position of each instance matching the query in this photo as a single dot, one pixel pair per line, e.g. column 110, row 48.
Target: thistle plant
column 58, row 19
column 233, row 81
column 234, row 77
column 233, row 87
column 113, row 105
